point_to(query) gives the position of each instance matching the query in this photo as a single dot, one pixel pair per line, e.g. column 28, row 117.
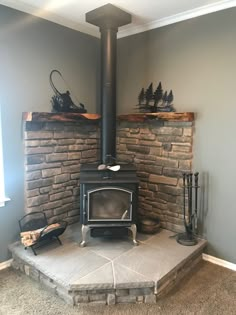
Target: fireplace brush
column 190, row 189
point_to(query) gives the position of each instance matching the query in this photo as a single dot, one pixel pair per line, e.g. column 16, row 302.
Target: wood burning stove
column 108, row 199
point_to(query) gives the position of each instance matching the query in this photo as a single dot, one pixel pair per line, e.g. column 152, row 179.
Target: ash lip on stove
column 108, row 191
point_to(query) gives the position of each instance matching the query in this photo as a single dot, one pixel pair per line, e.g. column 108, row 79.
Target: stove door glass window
column 110, row 204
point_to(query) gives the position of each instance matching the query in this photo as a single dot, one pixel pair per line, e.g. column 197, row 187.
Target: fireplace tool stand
column 188, row 238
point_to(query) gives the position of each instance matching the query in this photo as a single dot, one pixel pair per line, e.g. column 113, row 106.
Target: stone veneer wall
column 54, row 152
column 161, row 151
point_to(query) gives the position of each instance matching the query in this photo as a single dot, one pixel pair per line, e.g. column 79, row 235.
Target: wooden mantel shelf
column 66, row 117
column 137, row 117
column 167, row 116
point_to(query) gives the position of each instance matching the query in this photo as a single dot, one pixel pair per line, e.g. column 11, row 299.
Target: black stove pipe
column 108, row 18
column 108, row 85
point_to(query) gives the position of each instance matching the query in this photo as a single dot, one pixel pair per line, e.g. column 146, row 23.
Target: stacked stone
column 110, row 296
column 54, row 152
column 161, row 151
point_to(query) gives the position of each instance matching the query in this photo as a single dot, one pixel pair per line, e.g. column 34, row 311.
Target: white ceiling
column 146, row 14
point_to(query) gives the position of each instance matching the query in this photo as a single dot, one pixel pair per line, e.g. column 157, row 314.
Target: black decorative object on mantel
column 157, row 101
column 62, row 102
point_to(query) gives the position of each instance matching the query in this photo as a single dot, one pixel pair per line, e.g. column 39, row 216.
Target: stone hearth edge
column 109, row 272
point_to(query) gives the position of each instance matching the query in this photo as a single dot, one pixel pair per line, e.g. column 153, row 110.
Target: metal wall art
column 150, row 101
column 62, row 102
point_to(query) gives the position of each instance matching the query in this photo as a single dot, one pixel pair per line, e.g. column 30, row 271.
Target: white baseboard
column 5, row 264
column 219, row 262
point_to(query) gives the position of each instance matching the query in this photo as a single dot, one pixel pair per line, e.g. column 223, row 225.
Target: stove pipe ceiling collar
column 108, row 18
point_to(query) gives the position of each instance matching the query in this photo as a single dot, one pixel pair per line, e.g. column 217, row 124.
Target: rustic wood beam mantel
column 137, row 117
column 166, row 116
column 66, row 117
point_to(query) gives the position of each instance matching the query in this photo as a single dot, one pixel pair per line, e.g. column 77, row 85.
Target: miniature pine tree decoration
column 149, row 94
column 141, row 97
column 170, row 98
column 164, row 98
column 158, row 95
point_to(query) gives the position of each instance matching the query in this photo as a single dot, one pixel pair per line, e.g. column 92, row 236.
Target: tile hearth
column 109, row 271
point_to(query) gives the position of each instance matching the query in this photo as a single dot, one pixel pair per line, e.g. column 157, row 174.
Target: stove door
column 106, row 204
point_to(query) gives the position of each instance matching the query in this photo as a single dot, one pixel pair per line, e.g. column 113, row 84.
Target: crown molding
column 93, row 31
column 221, row 5
column 46, row 15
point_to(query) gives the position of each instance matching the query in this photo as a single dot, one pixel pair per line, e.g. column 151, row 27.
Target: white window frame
column 3, row 198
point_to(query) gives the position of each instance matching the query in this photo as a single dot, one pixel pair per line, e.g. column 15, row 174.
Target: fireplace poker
column 187, row 238
column 196, row 199
column 188, row 226
column 190, row 201
column 184, row 193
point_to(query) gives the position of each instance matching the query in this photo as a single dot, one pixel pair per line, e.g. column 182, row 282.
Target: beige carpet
column 211, row 290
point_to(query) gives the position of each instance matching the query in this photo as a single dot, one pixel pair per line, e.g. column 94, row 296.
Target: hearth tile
column 143, row 260
column 175, row 252
column 72, row 233
column 77, row 266
column 63, row 262
column 141, row 237
column 126, row 278
column 110, row 248
column 162, row 239
column 101, row 278
column 178, row 257
column 158, row 256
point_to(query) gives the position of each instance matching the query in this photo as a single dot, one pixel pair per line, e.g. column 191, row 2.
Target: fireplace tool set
column 190, row 208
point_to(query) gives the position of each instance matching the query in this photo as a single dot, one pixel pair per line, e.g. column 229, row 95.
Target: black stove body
column 108, row 198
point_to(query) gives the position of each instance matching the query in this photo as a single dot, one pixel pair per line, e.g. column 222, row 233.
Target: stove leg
column 133, row 229
column 84, row 231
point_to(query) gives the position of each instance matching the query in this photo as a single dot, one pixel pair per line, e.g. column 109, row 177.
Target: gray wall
column 195, row 58
column 29, row 49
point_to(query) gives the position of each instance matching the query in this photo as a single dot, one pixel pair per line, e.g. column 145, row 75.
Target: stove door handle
column 84, row 207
